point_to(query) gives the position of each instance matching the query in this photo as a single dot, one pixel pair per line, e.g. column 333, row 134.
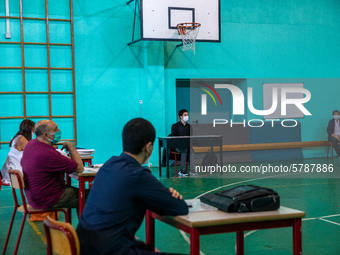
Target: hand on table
column 175, row 193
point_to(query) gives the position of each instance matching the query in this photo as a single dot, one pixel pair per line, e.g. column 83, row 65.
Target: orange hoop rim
column 183, row 27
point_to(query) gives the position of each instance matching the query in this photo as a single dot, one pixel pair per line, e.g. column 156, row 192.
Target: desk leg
column 81, row 195
column 239, row 242
column 167, row 162
column 221, row 156
column 160, row 159
column 297, row 237
column 149, row 231
column 68, row 180
column 69, row 210
column 88, row 161
column 194, row 242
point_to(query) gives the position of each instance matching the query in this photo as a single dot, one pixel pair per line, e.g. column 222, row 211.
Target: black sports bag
column 244, row 198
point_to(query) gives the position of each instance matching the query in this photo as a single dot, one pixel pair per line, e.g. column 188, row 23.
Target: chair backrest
column 16, row 179
column 17, row 182
column 61, row 237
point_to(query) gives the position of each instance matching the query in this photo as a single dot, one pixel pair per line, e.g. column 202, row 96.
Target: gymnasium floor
column 318, row 197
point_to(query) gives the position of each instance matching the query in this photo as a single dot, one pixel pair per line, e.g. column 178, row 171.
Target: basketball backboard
column 159, row 18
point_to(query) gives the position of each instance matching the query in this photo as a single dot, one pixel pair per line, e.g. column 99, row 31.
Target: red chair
column 18, row 183
column 61, row 238
column 175, row 153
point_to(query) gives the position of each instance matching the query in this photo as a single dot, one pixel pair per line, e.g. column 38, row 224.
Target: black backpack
column 244, row 198
column 209, row 159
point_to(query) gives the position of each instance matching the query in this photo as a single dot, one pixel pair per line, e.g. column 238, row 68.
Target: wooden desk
column 86, row 176
column 186, row 142
column 215, row 222
column 86, row 159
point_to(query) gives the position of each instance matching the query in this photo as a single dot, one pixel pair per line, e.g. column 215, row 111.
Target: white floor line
column 266, row 177
column 249, row 233
column 7, row 207
column 335, row 223
column 329, row 216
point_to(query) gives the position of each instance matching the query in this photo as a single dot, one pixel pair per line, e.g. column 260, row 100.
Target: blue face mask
column 57, row 137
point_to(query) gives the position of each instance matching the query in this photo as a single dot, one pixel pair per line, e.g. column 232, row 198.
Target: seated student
column 183, row 128
column 17, row 145
column 333, row 130
column 44, row 169
column 122, row 192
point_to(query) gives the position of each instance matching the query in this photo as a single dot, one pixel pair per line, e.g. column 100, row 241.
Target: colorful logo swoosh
column 209, row 93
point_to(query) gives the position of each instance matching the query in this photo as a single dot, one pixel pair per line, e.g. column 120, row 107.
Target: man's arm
column 174, row 130
column 74, row 155
column 330, row 130
column 159, row 199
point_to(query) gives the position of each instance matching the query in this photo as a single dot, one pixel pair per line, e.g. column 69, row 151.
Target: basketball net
column 188, row 32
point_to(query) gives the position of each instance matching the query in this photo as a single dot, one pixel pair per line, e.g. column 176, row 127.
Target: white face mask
column 32, row 134
column 336, row 117
column 185, row 118
column 147, row 159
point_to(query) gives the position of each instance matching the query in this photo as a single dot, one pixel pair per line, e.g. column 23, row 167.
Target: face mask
column 147, row 159
column 336, row 117
column 185, row 118
column 32, row 134
column 57, row 137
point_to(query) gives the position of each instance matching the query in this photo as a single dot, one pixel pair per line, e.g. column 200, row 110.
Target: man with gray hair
column 44, row 169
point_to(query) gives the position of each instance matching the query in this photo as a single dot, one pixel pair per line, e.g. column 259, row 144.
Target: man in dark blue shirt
column 122, row 192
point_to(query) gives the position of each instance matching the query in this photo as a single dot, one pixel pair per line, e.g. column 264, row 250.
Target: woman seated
column 17, row 146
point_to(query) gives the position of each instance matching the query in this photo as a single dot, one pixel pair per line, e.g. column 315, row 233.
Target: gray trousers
column 184, row 154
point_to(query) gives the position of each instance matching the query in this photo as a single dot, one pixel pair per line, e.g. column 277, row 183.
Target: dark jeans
column 335, row 145
column 184, row 154
column 70, row 198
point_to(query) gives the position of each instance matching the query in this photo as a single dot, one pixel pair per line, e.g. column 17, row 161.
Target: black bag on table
column 244, row 198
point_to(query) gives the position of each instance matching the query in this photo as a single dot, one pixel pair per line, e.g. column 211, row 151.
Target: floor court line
column 35, row 228
column 335, row 223
column 6, row 207
column 329, row 216
column 255, row 179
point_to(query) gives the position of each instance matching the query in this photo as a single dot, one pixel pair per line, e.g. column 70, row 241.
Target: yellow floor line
column 42, row 237
column 7, row 207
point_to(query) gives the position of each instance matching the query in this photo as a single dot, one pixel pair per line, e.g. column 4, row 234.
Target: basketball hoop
column 189, row 32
